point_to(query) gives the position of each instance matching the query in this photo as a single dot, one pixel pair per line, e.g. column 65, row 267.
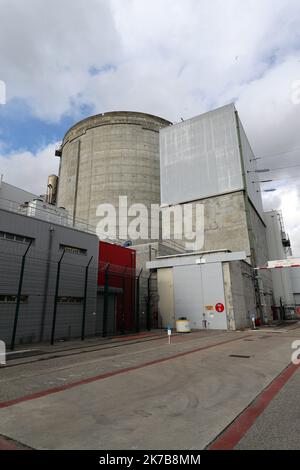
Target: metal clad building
column 208, row 161
column 49, row 240
column 206, row 156
column 282, row 278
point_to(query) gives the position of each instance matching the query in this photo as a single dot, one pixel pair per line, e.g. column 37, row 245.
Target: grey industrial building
column 11, row 195
column 205, row 161
column 286, row 281
column 47, row 241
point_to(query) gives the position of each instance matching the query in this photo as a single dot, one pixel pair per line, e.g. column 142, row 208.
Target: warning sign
column 219, row 307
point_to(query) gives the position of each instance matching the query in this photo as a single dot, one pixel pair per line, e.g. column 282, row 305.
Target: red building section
column 121, row 265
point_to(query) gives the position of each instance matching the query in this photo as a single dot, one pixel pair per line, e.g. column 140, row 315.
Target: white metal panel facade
column 195, row 288
column 250, row 167
column 200, row 157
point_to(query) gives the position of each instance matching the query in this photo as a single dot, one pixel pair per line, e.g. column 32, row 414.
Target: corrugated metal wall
column 35, row 315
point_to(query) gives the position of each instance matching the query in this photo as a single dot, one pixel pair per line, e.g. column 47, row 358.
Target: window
column 70, row 300
column 73, row 250
column 12, row 299
column 15, row 238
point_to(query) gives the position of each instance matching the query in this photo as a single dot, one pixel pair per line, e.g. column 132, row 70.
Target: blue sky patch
column 20, row 131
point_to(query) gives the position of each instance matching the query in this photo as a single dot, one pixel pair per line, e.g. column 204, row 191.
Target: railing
column 51, row 216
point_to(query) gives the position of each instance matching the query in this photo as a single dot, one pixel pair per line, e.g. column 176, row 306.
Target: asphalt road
column 147, row 394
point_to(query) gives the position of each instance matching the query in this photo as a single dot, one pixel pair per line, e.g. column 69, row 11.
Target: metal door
column 198, row 294
column 213, row 296
column 188, row 296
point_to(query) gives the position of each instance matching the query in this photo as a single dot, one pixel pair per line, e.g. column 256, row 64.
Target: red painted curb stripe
column 234, row 433
column 7, row 444
column 62, row 388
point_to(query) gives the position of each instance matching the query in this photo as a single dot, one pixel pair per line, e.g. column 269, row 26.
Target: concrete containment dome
column 106, row 156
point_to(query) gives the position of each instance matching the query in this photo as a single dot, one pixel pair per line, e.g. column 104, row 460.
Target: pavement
column 206, row 389
column 278, row 427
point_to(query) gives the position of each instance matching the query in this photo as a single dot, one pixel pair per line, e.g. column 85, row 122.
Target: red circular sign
column 298, row 310
column 219, row 307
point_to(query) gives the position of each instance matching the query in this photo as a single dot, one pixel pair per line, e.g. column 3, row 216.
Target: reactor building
column 107, row 156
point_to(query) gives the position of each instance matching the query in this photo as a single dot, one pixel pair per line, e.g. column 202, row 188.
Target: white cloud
column 29, row 170
column 48, row 47
column 172, row 57
column 168, row 57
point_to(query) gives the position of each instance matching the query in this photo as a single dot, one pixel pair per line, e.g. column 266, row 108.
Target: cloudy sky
column 62, row 60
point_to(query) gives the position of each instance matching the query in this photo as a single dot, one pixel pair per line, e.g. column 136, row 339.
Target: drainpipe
column 13, row 339
column 84, row 300
column 148, row 303
column 56, row 298
column 138, row 301
column 105, row 301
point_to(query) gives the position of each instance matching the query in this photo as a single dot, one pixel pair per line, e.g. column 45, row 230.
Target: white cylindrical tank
column 183, row 326
column 107, row 156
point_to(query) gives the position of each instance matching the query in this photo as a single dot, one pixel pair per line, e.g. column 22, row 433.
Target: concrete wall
column 257, row 229
column 166, row 308
column 239, row 294
column 228, row 296
column 258, row 240
column 40, row 277
column 107, row 156
column 224, row 224
column 144, row 253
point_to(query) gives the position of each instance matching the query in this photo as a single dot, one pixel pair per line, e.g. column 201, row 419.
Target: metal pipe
column 123, row 302
column 13, row 338
column 137, row 318
column 56, row 298
column 105, row 301
column 148, row 303
column 84, row 299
